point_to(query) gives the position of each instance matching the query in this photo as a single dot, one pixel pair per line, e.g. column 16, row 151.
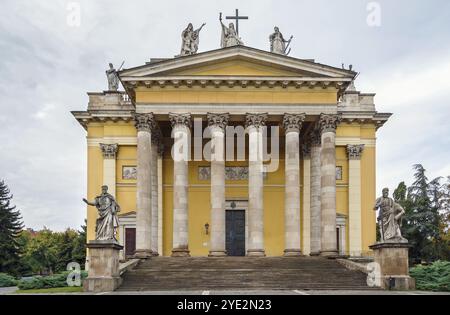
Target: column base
column 155, row 254
column 256, row 253
column 314, row 253
column 293, row 253
column 101, row 284
column 217, row 253
column 329, row 253
column 180, row 252
column 143, row 253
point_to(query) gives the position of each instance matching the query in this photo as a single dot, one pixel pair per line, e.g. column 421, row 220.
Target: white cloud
column 47, row 67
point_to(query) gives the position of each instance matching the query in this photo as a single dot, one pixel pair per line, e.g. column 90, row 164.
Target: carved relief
column 231, row 173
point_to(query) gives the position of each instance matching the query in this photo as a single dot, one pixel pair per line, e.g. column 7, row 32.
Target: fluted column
column 316, row 219
column 354, row 153
column 254, row 125
column 156, row 141
column 109, row 152
column 217, row 124
column 292, row 124
column 144, row 124
column 181, row 124
column 328, row 125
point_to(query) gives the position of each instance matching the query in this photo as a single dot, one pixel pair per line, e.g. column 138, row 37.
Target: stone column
column 328, row 125
column 254, row 125
column 156, row 141
column 306, row 229
column 292, row 124
column 160, row 199
column 144, row 124
column 354, row 199
column 217, row 124
column 181, row 124
column 109, row 152
column 316, row 219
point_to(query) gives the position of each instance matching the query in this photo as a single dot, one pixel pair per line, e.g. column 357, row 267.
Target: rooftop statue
column 389, row 218
column 107, row 222
column 278, row 44
column 190, row 40
column 229, row 35
column 113, row 78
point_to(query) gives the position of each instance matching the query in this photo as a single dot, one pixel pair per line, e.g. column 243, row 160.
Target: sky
column 50, row 58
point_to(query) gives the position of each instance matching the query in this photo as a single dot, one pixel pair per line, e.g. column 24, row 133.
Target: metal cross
column 237, row 18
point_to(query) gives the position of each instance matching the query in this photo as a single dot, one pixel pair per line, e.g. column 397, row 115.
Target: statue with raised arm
column 107, row 222
column 389, row 218
column 113, row 78
column 278, row 44
column 190, row 39
column 229, row 35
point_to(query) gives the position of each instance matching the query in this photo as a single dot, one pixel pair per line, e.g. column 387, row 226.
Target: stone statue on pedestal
column 190, row 40
column 278, row 44
column 113, row 79
column 107, row 222
column 389, row 218
column 229, row 35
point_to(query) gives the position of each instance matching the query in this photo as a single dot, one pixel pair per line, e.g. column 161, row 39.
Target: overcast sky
column 47, row 65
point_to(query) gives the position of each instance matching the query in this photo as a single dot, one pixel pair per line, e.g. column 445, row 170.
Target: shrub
column 435, row 277
column 55, row 281
column 7, row 281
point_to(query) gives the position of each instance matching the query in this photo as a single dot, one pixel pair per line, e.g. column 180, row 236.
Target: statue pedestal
column 394, row 266
column 103, row 274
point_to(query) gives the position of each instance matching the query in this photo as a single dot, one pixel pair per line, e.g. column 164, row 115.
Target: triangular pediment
column 237, row 61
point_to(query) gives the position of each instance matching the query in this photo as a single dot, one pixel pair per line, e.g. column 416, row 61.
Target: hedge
column 7, row 281
column 55, row 281
column 435, row 277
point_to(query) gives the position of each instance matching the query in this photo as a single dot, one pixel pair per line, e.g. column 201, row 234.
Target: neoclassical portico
column 311, row 199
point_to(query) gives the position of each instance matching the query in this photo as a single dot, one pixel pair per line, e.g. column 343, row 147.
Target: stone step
column 238, row 273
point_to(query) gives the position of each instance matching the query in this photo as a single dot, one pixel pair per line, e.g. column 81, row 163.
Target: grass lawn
column 53, row 290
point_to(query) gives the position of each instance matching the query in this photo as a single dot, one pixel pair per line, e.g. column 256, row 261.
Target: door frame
column 243, row 206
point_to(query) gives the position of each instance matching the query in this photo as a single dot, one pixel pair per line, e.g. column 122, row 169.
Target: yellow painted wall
column 247, row 95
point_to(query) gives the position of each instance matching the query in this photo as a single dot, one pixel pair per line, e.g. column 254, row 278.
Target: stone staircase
column 242, row 273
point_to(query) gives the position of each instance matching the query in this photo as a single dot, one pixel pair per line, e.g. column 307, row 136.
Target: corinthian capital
column 355, row 151
column 293, row 122
column 255, row 120
column 109, row 150
column 328, row 123
column 144, row 122
column 180, row 120
column 218, row 120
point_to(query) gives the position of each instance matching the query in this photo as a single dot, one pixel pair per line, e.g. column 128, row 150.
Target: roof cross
column 237, row 18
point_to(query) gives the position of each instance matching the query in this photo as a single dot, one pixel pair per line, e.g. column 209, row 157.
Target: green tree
column 10, row 228
column 423, row 202
column 79, row 247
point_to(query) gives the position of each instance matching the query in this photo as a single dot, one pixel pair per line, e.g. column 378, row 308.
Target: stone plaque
column 338, row 172
column 231, row 173
column 129, row 172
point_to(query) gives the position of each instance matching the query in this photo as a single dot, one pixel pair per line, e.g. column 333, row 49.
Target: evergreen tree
column 10, row 228
column 422, row 203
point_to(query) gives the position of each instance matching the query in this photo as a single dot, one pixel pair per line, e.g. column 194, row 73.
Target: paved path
column 277, row 292
column 8, row 290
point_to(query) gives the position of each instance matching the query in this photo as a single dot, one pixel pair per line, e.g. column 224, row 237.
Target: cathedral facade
column 235, row 151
